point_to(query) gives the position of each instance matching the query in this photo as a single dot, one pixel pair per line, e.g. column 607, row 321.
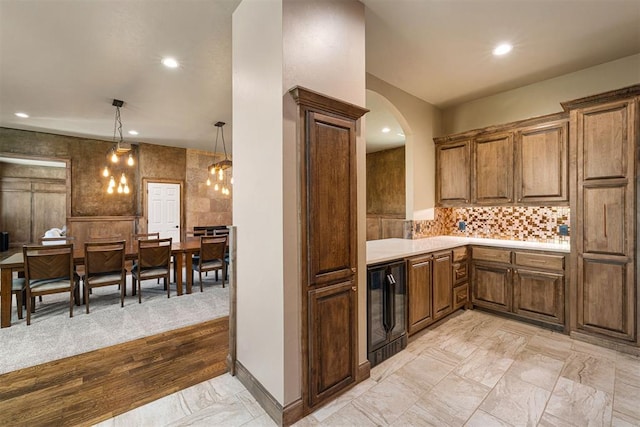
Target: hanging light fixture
column 220, row 171
column 116, row 155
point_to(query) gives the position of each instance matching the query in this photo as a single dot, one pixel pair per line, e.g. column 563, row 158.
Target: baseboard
column 364, row 371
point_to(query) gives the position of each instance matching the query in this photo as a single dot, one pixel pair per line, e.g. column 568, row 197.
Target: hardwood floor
column 94, row 386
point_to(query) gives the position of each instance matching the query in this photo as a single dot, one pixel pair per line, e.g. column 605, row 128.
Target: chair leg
column 33, row 304
column 72, row 301
column 19, row 302
column 224, row 274
column 166, row 285
column 123, row 292
column 139, row 291
column 86, row 295
column 30, row 301
column 133, row 286
column 200, row 274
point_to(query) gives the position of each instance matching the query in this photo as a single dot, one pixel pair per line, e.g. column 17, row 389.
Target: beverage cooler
column 386, row 310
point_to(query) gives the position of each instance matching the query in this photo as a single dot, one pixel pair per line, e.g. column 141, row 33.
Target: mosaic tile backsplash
column 542, row 224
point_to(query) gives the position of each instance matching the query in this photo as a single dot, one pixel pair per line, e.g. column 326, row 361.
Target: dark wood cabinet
column 442, row 285
column 491, row 286
column 542, row 163
column 453, row 185
column 332, row 339
column 328, row 236
column 492, row 177
column 419, row 272
column 603, row 143
column 539, row 295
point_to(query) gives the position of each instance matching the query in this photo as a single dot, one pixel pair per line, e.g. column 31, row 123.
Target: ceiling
column 64, row 61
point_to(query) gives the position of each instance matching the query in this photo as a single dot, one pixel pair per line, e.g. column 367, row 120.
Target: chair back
column 61, row 240
column 221, row 232
column 48, row 262
column 212, row 248
column 104, row 257
column 154, row 253
column 145, row 236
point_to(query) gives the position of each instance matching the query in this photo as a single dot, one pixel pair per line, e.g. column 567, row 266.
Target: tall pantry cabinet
column 604, row 161
column 327, row 131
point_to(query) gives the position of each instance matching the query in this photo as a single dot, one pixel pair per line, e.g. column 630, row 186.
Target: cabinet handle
column 353, row 270
column 353, row 288
column 605, row 219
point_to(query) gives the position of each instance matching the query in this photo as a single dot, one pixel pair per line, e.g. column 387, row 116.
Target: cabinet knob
column 353, row 270
column 353, row 288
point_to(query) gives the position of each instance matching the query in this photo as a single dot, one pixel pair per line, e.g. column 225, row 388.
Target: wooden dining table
column 181, row 251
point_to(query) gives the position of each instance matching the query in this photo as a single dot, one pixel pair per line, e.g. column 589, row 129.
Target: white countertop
column 392, row 249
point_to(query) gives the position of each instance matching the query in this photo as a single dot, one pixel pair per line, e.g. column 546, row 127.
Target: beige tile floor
column 475, row 369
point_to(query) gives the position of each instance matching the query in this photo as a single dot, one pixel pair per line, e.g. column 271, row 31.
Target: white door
column 163, row 209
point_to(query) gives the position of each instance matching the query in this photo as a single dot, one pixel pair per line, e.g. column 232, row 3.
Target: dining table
column 181, row 251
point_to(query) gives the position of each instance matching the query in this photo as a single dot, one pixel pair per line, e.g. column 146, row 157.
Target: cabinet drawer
column 549, row 262
column 495, row 255
column 460, row 296
column 459, row 254
column 460, row 272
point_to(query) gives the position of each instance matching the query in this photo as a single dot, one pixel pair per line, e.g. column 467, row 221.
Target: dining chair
column 48, row 269
column 104, row 266
column 211, row 257
column 154, row 261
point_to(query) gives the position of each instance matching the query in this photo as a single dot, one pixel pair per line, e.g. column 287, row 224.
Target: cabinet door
column 541, row 163
column 332, row 339
column 452, row 177
column 492, row 286
column 331, row 199
column 419, row 289
column 539, row 295
column 442, row 285
column 493, row 169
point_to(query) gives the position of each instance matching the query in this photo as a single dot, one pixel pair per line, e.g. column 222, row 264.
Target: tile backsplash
column 535, row 223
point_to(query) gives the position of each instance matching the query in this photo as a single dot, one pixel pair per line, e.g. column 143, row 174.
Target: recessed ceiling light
column 133, row 132
column 170, row 62
column 400, row 134
column 502, row 49
column 23, row 115
column 386, row 130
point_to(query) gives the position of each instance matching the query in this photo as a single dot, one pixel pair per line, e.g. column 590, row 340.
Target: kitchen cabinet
column 530, row 285
column 520, row 163
column 541, row 168
column 460, row 267
column 603, row 144
column 328, row 252
column 453, row 185
column 442, row 285
column 492, row 175
column 419, row 270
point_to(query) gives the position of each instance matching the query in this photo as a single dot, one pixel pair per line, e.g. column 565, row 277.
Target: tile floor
column 475, row 369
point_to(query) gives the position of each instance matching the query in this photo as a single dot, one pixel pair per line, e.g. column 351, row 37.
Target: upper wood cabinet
column 492, row 177
column 541, row 163
column 520, row 163
column 453, row 176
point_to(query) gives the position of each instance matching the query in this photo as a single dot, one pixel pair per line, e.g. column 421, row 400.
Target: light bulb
column 231, row 180
column 112, row 182
column 220, row 175
column 212, row 171
column 120, row 189
column 216, row 187
column 114, row 157
column 123, row 179
column 126, row 189
column 130, row 160
column 110, row 190
column 208, row 182
column 105, row 172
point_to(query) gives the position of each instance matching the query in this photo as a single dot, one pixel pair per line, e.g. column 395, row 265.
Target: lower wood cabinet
column 528, row 284
column 333, row 337
column 419, row 291
column 442, row 285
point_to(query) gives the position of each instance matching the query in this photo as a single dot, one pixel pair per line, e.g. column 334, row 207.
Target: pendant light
column 220, row 171
column 119, row 157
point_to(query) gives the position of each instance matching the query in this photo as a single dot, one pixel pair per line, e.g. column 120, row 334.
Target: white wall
column 421, row 122
column 541, row 98
column 324, row 51
column 257, row 189
column 277, row 45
